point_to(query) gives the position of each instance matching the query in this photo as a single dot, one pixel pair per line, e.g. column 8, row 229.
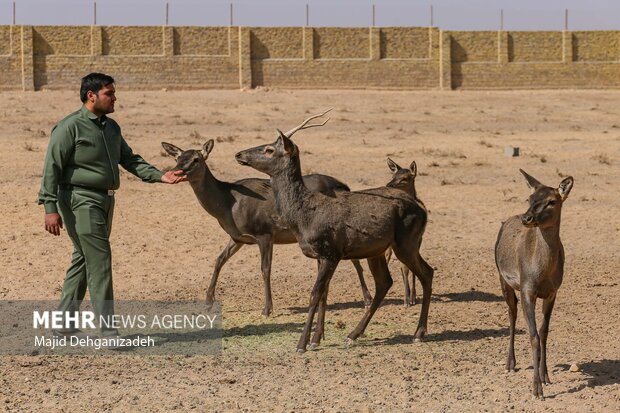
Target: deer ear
column 207, row 148
column 392, row 165
column 279, row 142
column 565, row 186
column 289, row 146
column 414, row 169
column 531, row 181
column 172, row 150
column 285, row 144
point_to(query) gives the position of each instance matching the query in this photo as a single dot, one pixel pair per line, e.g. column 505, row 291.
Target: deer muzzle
column 528, row 220
column 241, row 158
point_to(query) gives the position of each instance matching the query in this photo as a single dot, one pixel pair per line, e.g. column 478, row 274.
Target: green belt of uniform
column 70, row 187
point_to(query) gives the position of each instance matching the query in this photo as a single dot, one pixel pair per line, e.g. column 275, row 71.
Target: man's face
column 103, row 101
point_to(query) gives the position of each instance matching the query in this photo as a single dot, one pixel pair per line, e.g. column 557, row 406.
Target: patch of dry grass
column 602, row 159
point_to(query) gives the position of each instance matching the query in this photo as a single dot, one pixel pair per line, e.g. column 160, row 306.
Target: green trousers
column 87, row 216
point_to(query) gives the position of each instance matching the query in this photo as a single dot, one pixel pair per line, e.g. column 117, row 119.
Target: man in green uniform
column 80, row 176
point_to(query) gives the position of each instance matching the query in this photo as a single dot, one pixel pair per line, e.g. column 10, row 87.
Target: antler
column 304, row 124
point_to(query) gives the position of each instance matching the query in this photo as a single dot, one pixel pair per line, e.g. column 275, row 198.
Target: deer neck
column 210, row 192
column 290, row 192
column 546, row 244
column 412, row 192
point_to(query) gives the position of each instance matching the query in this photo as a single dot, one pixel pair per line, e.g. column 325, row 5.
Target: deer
column 350, row 225
column 403, row 178
column 245, row 209
column 530, row 259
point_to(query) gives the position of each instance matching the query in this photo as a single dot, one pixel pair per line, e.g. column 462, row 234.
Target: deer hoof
column 348, row 342
column 313, row 346
column 537, row 391
column 301, row 350
column 419, row 335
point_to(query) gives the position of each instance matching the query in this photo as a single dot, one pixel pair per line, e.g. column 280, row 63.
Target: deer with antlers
column 350, row 225
column 246, row 210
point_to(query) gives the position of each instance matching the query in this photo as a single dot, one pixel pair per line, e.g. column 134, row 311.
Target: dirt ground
column 165, row 246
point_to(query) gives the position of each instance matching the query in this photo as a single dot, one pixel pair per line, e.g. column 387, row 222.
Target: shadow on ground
column 469, row 296
column 345, row 306
column 597, row 373
column 450, row 335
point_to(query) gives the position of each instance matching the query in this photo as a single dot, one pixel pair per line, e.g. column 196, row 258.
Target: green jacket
column 86, row 151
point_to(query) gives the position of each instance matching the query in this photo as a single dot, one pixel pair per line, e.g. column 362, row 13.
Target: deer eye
column 269, row 150
column 551, row 203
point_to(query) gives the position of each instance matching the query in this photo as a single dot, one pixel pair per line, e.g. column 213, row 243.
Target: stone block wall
column 56, row 57
column 531, row 60
column 398, row 58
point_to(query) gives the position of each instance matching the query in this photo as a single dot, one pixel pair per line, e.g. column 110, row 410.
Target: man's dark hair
column 94, row 82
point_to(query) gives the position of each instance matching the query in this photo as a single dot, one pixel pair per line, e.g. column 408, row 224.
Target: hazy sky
column 447, row 14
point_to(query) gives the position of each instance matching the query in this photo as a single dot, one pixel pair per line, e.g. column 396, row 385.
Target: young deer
column 245, row 209
column 530, row 259
column 351, row 225
column 404, row 179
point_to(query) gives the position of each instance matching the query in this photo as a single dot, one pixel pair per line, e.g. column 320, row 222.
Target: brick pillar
column 96, row 41
column 168, row 39
column 245, row 58
column 375, row 43
column 308, row 36
column 445, row 60
column 567, row 47
column 27, row 51
column 502, row 47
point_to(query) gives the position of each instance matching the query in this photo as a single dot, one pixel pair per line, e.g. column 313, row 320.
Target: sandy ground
column 165, row 245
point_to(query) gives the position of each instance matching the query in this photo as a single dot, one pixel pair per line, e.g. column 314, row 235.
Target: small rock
column 574, row 368
column 511, row 151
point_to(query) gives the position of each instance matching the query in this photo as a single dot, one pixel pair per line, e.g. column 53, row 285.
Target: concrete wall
column 55, row 57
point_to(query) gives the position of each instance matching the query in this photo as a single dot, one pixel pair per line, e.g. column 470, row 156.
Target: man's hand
column 53, row 223
column 173, row 177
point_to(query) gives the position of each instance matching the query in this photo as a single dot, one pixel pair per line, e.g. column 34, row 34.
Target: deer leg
column 413, row 260
column 383, row 282
column 412, row 299
column 511, row 300
column 425, row 274
column 229, row 250
column 360, row 274
column 528, row 303
column 326, row 270
column 544, row 331
column 265, row 245
column 319, row 332
column 404, row 271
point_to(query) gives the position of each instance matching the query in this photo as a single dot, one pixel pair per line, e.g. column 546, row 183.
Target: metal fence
column 299, row 13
